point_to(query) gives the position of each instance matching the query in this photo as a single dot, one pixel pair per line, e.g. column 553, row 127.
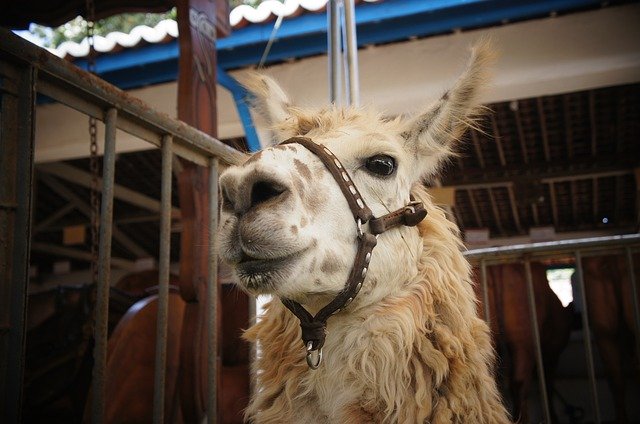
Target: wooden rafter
column 478, row 148
column 568, row 130
column 514, row 208
column 574, row 200
column 619, row 194
column 554, row 205
column 595, row 193
column 592, row 124
column 543, row 130
column 45, row 223
column 498, row 139
column 496, row 212
column 84, row 208
column 474, row 207
column 83, row 178
column 535, row 214
column 82, row 255
column 521, row 135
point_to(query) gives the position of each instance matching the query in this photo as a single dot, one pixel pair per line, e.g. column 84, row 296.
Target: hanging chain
column 93, row 149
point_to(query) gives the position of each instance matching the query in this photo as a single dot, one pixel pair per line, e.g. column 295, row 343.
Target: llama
column 410, row 346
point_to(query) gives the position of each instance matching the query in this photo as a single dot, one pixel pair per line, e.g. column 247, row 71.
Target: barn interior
column 542, row 166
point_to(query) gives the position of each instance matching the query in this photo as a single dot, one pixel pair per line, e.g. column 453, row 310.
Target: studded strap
column 356, row 203
column 314, row 327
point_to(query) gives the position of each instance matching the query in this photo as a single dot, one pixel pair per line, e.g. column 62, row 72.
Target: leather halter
column 314, row 327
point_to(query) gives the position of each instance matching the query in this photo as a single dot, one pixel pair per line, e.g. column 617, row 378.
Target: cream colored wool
column 411, row 347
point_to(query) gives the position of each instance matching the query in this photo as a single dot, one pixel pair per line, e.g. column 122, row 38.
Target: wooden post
column 200, row 22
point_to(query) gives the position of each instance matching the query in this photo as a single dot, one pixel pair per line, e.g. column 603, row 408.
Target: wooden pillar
column 200, row 22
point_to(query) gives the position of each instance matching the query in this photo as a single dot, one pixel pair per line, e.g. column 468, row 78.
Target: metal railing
column 25, row 70
column 578, row 249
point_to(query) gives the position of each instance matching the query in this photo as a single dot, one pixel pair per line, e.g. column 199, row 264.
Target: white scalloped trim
column 169, row 28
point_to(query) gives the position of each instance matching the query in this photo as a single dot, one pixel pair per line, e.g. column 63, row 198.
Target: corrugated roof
column 167, row 30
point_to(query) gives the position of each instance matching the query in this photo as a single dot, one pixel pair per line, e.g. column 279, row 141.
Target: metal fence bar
column 485, row 291
column 104, row 269
column 163, row 284
column 17, row 116
column 634, row 294
column 552, row 247
column 536, row 338
column 212, row 297
column 352, row 53
column 586, row 331
column 333, row 45
column 79, row 84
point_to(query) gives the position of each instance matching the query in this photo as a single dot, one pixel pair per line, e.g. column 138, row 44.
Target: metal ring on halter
column 360, row 232
column 310, row 353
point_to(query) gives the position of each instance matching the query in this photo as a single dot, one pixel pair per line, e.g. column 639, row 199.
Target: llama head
column 286, row 228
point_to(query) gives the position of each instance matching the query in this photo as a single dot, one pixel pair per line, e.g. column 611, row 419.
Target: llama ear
column 433, row 134
column 268, row 99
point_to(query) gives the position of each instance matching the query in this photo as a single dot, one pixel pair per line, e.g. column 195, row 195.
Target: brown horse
column 58, row 354
column 510, row 323
column 611, row 317
column 131, row 358
column 60, row 340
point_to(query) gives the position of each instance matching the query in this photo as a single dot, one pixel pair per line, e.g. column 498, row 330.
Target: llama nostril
column 265, row 190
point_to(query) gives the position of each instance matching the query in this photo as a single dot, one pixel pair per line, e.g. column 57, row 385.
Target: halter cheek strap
column 314, row 327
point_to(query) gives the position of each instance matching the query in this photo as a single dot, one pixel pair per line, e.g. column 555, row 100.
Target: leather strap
column 359, row 209
column 314, row 327
column 411, row 215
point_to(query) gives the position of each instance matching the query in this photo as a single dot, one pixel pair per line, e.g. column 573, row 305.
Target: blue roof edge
column 303, row 36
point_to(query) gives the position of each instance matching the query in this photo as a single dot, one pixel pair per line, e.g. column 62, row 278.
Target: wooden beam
column 535, row 214
column 83, row 207
column 521, row 136
column 574, row 202
column 496, row 213
column 554, row 205
column 514, row 208
column 498, row 140
column 478, row 148
column 592, row 121
column 577, row 170
column 45, row 223
column 543, row 130
column 83, row 178
column 618, row 205
column 595, row 200
column 474, row 207
column 82, row 255
column 568, row 131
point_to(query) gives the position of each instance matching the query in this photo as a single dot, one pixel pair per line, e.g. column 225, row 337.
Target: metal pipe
column 586, row 331
column 485, row 291
column 212, row 297
column 352, row 52
column 536, row 338
column 78, row 84
column 634, row 294
column 104, row 269
column 334, row 51
column 558, row 246
column 163, row 283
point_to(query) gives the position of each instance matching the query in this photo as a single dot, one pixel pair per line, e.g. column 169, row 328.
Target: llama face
column 286, row 228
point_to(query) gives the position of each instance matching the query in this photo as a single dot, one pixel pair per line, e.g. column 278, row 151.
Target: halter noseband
column 314, row 327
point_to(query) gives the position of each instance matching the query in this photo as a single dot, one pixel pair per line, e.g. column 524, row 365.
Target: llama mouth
column 260, row 274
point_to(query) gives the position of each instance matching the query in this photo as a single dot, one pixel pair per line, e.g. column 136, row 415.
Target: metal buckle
column 310, row 353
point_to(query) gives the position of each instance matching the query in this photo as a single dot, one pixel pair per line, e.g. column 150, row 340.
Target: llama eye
column 381, row 165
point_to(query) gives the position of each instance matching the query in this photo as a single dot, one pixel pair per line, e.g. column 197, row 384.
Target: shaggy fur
column 410, row 348
column 422, row 355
